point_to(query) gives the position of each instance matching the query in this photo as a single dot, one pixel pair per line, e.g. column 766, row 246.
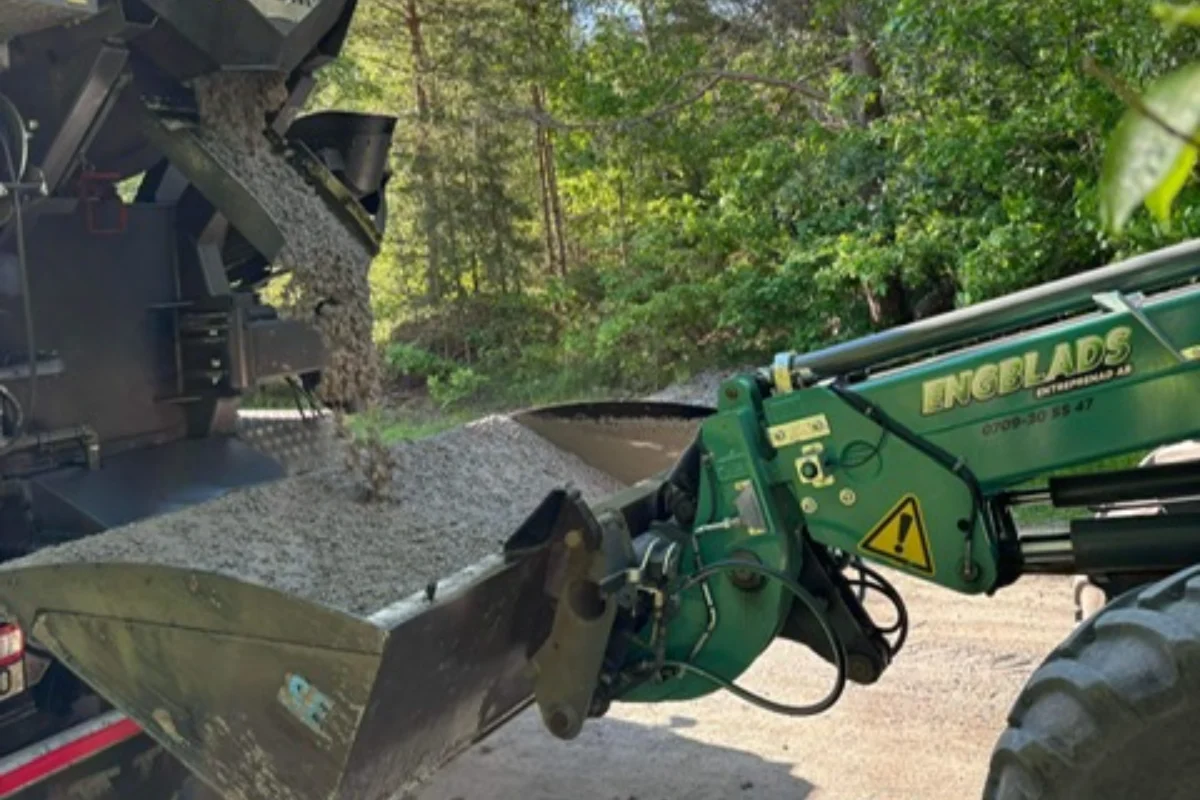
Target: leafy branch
column 713, row 78
column 1154, row 147
column 1132, row 99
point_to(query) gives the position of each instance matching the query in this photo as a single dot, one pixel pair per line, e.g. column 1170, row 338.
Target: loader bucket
column 267, row 696
column 629, row 440
column 270, row 696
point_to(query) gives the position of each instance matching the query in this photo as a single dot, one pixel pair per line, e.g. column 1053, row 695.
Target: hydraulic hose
column 11, row 161
column 805, row 597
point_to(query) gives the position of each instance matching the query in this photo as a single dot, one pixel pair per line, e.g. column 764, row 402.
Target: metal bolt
column 574, row 539
column 779, row 437
column 746, row 580
column 848, row 497
column 564, row 722
column 808, row 505
column 861, row 669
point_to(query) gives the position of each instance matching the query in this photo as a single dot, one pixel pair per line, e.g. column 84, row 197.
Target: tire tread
column 1118, row 674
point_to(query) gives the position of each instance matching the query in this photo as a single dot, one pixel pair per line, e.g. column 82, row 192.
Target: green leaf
column 1159, row 201
column 1142, row 153
column 1172, row 16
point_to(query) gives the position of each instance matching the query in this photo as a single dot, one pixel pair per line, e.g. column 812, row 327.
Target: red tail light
column 12, row 644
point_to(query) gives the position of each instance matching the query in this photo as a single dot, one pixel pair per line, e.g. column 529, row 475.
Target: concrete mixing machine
column 156, row 172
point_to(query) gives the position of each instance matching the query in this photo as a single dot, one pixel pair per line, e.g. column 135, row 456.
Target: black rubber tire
column 1114, row 711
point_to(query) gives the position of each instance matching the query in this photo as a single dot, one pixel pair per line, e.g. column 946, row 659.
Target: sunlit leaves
column 752, row 218
column 1174, row 16
column 1160, row 200
column 1150, row 155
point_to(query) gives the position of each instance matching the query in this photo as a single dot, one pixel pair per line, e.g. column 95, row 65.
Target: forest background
column 610, row 195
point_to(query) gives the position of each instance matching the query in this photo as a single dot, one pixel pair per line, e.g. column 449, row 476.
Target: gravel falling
column 327, row 263
column 458, row 496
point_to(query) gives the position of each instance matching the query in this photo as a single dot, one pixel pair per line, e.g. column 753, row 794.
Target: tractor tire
column 1113, row 712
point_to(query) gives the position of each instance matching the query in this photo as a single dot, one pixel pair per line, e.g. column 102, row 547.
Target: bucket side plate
column 258, row 693
column 629, row 440
column 266, row 696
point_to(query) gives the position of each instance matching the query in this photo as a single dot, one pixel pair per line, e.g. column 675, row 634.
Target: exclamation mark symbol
column 906, row 522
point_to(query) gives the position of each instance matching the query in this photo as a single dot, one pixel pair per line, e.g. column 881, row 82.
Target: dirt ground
column 924, row 732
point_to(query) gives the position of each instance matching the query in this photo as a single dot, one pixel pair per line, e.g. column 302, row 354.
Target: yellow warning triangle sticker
column 900, row 536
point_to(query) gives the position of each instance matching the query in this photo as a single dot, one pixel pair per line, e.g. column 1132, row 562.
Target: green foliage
column 1173, row 16
column 406, row 360
column 459, row 386
column 600, row 195
column 1153, row 151
column 449, row 383
column 1150, row 156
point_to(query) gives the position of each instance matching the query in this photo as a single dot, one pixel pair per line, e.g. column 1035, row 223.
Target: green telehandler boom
column 907, row 450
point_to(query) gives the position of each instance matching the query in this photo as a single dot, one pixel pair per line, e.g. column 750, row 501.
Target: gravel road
column 924, row 732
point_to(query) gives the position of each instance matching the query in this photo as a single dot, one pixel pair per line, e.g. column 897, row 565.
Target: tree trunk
column 863, row 61
column 889, row 306
column 622, row 221
column 894, row 303
column 552, row 214
column 540, row 149
column 423, row 165
column 646, row 12
column 455, row 259
column 560, row 227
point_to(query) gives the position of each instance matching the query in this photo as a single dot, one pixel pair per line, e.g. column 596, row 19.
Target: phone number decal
column 1038, row 417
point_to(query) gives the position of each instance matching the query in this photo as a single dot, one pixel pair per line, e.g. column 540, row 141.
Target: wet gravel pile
column 456, row 498
column 327, row 264
column 18, row 17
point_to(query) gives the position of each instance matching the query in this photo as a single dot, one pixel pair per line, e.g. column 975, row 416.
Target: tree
column 610, row 193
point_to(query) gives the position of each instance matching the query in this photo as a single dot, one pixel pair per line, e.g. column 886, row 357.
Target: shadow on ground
column 611, row 760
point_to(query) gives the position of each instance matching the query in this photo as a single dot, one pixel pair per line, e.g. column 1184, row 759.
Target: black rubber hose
column 801, row 594
column 23, row 269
